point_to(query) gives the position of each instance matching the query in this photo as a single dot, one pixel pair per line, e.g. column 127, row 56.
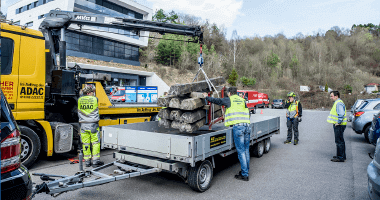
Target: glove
column 299, row 119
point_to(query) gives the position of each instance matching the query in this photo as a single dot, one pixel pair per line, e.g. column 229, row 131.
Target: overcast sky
column 270, row 17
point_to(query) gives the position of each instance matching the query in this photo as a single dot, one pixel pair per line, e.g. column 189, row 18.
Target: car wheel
column 30, row 146
column 258, row 149
column 267, row 145
column 366, row 134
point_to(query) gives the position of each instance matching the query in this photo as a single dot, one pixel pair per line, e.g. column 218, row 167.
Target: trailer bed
column 151, row 140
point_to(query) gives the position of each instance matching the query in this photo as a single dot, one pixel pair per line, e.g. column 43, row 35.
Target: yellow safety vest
column 237, row 112
column 293, row 108
column 333, row 117
column 88, row 110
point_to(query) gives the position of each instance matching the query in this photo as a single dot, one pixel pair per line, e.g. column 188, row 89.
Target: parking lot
column 286, row 172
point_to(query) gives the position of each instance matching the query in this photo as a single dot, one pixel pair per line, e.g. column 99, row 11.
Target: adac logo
column 85, row 107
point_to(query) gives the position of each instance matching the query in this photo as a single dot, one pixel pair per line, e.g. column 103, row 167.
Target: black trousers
column 292, row 125
column 339, row 141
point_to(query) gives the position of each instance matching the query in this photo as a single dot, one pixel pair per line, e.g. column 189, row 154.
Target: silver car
column 352, row 111
column 363, row 116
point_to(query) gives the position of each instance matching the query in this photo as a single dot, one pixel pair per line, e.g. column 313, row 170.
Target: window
column 29, row 24
column 41, row 16
column 28, row 7
column 17, row 23
column 35, row 4
column 377, row 107
column 6, row 53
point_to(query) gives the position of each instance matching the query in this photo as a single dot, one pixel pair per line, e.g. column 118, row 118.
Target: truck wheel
column 30, row 146
column 258, row 149
column 267, row 145
column 200, row 176
column 366, row 134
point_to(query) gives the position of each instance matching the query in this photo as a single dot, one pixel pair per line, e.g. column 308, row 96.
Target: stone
column 176, row 125
column 194, row 87
column 164, row 113
column 164, row 101
column 191, row 117
column 176, row 115
column 175, row 102
column 164, row 123
column 190, row 128
column 192, row 104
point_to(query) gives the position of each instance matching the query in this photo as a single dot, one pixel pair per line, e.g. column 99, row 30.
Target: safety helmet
column 291, row 94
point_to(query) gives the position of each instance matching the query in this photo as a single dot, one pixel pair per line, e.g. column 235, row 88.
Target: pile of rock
column 186, row 107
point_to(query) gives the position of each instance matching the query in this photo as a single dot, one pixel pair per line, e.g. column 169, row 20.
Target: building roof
column 372, row 84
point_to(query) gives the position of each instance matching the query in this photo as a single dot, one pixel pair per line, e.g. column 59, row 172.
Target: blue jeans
column 241, row 138
column 339, row 141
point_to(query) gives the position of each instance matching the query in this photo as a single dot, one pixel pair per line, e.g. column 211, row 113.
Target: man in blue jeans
column 237, row 117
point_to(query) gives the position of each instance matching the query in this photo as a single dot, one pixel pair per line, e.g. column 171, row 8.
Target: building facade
column 107, row 44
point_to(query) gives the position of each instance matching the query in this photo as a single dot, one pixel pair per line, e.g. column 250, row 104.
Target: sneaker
column 337, row 160
column 287, row 142
column 97, row 163
column 295, row 142
column 241, row 177
column 88, row 163
column 337, row 157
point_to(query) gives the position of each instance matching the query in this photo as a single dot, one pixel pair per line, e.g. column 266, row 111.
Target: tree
column 161, row 16
column 233, row 77
column 326, row 88
column 248, row 81
column 273, row 60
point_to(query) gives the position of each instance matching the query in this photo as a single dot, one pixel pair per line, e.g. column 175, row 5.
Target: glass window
column 377, row 107
column 6, row 53
column 35, row 4
column 29, row 24
column 41, row 16
column 139, row 16
column 17, row 23
column 28, row 7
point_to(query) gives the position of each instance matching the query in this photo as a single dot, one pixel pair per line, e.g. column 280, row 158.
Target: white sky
column 270, row 17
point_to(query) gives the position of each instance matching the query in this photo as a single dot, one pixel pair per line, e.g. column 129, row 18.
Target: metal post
column 62, row 50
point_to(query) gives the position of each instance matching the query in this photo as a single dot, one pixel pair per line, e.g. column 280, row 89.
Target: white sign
column 304, row 88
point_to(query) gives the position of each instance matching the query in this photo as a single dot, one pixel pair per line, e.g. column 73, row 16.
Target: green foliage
column 233, row 77
column 169, row 51
column 248, row 81
column 161, row 16
column 347, row 89
column 326, row 88
column 376, row 55
column 273, row 60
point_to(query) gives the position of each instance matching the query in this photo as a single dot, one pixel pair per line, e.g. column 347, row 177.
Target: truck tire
column 366, row 133
column 267, row 145
column 258, row 149
column 200, row 176
column 30, row 146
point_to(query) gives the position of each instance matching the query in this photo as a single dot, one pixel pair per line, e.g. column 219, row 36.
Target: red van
column 263, row 100
column 251, row 98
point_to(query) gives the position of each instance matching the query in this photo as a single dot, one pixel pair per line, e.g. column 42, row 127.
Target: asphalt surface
column 286, row 172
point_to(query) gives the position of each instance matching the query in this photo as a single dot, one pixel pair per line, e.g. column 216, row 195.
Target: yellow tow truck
column 43, row 95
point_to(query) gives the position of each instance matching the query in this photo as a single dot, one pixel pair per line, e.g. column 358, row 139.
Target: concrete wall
column 154, row 80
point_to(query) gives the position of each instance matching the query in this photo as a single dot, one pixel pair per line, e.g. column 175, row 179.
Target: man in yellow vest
column 88, row 113
column 338, row 118
column 237, row 117
column 293, row 117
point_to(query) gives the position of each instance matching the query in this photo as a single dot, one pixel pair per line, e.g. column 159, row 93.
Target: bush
column 248, row 81
column 233, row 77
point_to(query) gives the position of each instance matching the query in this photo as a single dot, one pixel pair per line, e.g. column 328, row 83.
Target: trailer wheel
column 258, row 149
column 267, row 145
column 200, row 176
column 30, row 146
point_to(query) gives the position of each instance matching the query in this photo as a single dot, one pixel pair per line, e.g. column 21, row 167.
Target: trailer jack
column 89, row 178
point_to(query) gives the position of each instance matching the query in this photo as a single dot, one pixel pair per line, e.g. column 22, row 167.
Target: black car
column 15, row 179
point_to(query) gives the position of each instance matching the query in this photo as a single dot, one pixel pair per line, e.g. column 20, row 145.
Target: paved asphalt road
column 286, row 172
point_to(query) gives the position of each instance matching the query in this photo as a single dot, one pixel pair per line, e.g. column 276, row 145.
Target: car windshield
column 276, row 100
column 119, row 93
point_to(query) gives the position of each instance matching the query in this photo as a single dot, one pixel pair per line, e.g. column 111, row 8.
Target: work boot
column 287, row 142
column 337, row 160
column 241, row 177
column 337, row 157
column 97, row 163
column 295, row 142
column 88, row 163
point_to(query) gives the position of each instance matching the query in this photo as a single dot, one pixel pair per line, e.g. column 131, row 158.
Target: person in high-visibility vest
column 237, row 117
column 338, row 118
column 88, row 113
column 293, row 117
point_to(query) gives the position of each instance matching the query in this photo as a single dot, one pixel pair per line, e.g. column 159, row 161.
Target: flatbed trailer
column 144, row 148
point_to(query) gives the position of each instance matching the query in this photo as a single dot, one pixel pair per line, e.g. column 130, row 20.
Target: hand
column 337, row 124
column 205, row 94
column 299, row 119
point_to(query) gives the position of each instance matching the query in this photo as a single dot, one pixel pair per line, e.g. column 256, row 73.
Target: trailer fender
column 49, row 135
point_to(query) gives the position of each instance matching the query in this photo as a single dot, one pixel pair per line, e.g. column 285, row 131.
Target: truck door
column 10, row 52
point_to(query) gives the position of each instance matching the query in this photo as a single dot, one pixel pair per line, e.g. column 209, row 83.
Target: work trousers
column 292, row 127
column 339, row 141
column 90, row 136
column 242, row 136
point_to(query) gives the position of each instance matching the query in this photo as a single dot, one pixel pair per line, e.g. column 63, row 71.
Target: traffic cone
column 261, row 112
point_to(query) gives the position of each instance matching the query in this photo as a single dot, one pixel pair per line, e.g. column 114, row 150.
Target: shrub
column 248, row 81
column 233, row 77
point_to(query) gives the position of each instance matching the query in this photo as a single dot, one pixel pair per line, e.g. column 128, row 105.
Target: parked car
column 374, row 131
column 355, row 106
column 374, row 175
column 15, row 179
column 363, row 116
column 119, row 95
column 278, row 103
